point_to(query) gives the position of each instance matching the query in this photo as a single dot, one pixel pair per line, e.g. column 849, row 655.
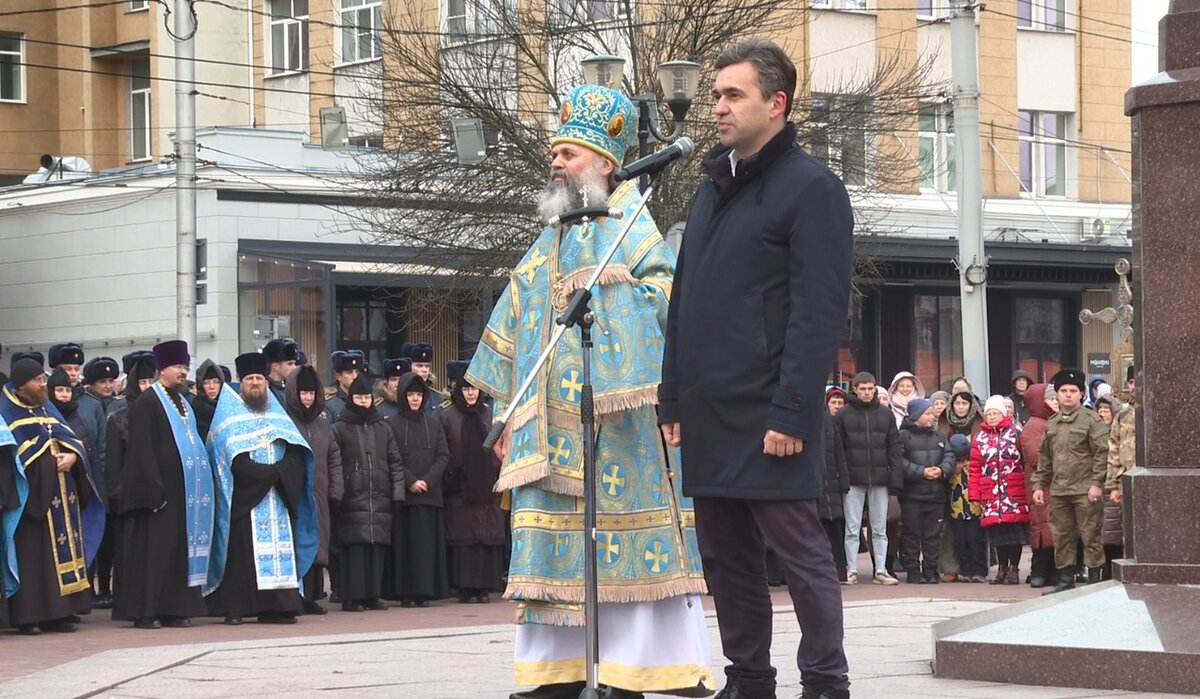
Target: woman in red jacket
column 997, row 483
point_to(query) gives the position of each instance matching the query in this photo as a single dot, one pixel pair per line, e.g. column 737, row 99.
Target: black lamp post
column 678, row 79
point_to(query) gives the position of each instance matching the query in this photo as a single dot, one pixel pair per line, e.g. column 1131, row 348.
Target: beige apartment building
column 1055, row 144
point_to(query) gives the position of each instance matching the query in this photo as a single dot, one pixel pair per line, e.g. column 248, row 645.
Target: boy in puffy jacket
column 928, row 463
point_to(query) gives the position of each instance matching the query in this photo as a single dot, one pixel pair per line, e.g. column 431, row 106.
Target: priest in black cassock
column 59, row 517
column 266, row 474
column 166, row 496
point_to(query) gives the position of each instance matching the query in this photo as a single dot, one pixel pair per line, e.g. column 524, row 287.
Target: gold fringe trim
column 574, row 594
column 612, row 274
column 563, row 419
column 522, row 476
column 626, row 401
column 548, row 615
column 563, row 484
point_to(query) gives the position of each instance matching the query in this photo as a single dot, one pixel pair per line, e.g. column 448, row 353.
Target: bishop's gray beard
column 558, row 197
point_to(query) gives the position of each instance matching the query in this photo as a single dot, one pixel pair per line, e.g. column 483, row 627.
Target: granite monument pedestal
column 1139, row 631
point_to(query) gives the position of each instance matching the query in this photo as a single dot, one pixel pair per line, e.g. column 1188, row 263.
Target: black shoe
column 825, row 693
column 565, row 690
column 1093, row 576
column 1066, row 581
column 314, row 608
column 735, row 691
column 147, row 622
column 61, row 626
column 352, row 607
column 483, row 599
column 1037, row 581
column 422, row 603
column 377, row 604
column 29, row 630
column 334, row 598
column 916, row 577
column 233, row 621
column 931, row 577
column 177, row 622
column 104, row 601
column 74, row 618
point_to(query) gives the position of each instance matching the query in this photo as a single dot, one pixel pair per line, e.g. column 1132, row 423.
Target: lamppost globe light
column 606, row 71
column 679, row 80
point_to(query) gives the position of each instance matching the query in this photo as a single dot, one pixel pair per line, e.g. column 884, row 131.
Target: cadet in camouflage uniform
column 1074, row 460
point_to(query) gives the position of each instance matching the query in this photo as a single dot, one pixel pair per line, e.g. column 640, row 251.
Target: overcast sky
column 1146, row 14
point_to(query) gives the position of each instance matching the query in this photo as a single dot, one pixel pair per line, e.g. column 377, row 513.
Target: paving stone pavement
column 888, row 642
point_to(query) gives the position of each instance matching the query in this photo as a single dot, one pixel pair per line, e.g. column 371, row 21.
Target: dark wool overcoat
column 756, row 316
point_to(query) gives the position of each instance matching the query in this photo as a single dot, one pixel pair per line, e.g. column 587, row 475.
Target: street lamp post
column 678, row 80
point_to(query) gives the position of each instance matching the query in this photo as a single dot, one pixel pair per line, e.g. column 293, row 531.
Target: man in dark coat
column 416, row 571
column 306, row 405
column 1021, row 380
column 271, row 536
column 373, row 474
column 282, row 355
column 165, row 493
column 346, row 367
column 874, row 460
column 387, row 402
column 765, row 264
column 97, row 394
column 420, row 356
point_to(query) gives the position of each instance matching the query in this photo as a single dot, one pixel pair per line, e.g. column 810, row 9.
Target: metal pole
column 185, row 173
column 972, row 262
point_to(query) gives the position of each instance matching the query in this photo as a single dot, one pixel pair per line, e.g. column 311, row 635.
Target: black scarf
column 355, row 414
column 68, row 408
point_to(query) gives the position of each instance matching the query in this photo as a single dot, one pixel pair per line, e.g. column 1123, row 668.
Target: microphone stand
column 578, row 314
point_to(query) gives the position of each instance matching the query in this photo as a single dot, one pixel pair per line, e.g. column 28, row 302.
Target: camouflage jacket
column 1122, row 443
column 1074, row 453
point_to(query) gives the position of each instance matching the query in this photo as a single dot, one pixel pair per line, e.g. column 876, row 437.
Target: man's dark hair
column 776, row 72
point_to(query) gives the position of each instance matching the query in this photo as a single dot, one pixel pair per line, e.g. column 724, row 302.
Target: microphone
column 655, row 162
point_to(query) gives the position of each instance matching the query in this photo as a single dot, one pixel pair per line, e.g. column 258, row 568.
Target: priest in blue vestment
column 166, row 502
column 55, row 529
column 653, row 636
column 268, row 540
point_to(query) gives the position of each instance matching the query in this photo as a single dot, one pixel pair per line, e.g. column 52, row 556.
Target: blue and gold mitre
column 599, row 118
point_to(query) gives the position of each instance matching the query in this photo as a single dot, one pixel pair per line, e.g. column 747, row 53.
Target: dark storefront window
column 937, row 339
column 1040, row 334
column 283, row 298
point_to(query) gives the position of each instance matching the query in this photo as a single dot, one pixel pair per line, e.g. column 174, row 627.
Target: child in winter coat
column 928, row 463
column 970, row 546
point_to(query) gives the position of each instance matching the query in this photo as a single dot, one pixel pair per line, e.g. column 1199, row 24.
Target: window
column 595, row 10
column 456, row 19
column 12, row 67
column 937, row 338
column 1043, row 153
column 371, row 140
column 1040, row 335
column 838, row 4
column 839, row 134
column 362, row 30
column 936, row 133
column 933, row 9
column 136, row 5
column 1048, row 15
column 289, row 36
column 139, row 109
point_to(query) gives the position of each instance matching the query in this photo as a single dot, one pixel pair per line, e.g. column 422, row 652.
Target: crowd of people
column 950, row 484
column 164, row 497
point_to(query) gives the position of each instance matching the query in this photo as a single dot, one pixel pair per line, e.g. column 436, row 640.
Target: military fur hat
column 100, row 368
column 1070, row 377
column 65, row 353
column 282, row 350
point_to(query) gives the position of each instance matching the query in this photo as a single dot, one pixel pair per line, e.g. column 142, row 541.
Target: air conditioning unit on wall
column 1093, row 230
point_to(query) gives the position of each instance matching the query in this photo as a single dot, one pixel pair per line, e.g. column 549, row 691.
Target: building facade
column 286, row 258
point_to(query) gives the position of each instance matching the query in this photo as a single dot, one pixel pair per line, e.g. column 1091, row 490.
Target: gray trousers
column 733, row 536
